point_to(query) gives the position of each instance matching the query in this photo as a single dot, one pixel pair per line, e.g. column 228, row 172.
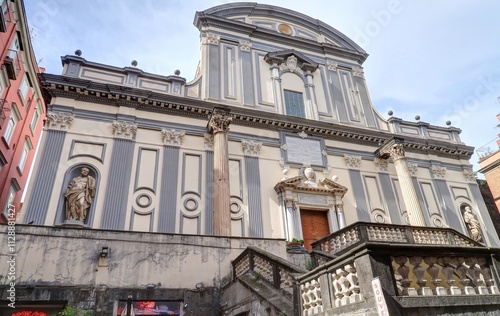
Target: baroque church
column 156, row 196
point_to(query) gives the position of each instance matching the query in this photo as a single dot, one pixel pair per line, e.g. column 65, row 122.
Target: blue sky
column 436, row 59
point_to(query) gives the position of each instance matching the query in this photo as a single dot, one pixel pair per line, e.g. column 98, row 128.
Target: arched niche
column 72, row 172
column 472, row 222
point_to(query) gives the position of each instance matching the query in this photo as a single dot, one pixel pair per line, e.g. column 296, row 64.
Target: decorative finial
column 448, row 123
column 417, row 117
column 177, row 72
column 390, row 112
column 78, row 52
column 134, row 63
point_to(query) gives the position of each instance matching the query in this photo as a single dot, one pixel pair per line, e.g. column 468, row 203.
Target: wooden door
column 314, row 226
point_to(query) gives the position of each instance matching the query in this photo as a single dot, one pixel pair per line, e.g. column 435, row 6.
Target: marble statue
column 79, row 195
column 473, row 224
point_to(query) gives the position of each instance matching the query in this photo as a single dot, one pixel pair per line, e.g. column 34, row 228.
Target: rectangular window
column 11, row 124
column 294, row 103
column 24, row 88
column 22, row 160
column 34, row 121
column 9, row 130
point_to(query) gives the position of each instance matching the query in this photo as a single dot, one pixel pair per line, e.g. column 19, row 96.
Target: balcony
column 12, row 64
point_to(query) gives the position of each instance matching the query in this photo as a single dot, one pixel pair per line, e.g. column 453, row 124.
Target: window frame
column 289, row 107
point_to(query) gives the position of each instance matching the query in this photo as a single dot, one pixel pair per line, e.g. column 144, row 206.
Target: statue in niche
column 79, row 195
column 473, row 224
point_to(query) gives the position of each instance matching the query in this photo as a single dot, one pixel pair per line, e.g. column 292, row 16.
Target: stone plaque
column 312, row 199
column 304, row 150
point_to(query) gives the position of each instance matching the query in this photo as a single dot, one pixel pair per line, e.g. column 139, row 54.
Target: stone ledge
column 440, row 301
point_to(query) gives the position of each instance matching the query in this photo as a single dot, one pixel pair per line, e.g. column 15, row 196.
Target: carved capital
column 59, row 121
column 251, row 148
column 470, row 175
column 412, row 168
column 245, row 46
column 392, row 148
column 172, row 137
column 438, row 172
column 209, row 141
column 352, row 161
column 211, row 38
column 381, row 164
column 219, row 121
column 331, row 65
column 357, row 72
column 124, row 130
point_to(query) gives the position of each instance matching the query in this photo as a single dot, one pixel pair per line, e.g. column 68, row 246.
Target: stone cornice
column 114, row 95
column 275, row 37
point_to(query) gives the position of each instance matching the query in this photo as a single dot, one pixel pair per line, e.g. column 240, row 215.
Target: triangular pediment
column 301, row 183
column 291, row 56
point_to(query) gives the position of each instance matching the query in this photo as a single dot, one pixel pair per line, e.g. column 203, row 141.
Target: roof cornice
column 115, row 95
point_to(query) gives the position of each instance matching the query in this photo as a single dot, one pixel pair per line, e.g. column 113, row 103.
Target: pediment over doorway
column 301, row 183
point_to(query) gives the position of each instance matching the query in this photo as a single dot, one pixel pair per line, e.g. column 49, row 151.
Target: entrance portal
column 314, row 226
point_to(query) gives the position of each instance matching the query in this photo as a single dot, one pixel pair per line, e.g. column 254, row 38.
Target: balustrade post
column 486, row 272
column 276, row 276
column 434, row 272
column 326, row 292
column 419, row 272
column 404, row 272
column 461, row 271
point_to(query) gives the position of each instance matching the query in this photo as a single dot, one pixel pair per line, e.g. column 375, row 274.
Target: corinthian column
column 218, row 125
column 394, row 148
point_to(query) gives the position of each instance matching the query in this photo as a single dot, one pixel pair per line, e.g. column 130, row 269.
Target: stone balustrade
column 443, row 275
column 359, row 233
column 268, row 267
column 343, row 285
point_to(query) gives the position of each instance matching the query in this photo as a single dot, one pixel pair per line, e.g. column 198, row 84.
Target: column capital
column 124, row 130
column 392, row 148
column 59, row 121
column 219, row 121
column 172, row 137
column 251, row 148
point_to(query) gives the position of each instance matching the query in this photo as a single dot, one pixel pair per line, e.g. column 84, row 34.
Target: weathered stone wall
column 62, row 264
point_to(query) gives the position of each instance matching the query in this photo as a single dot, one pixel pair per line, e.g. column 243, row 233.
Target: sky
column 436, row 59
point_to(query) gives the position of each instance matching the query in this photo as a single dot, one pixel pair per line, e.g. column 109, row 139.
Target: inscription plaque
column 304, row 150
column 312, row 199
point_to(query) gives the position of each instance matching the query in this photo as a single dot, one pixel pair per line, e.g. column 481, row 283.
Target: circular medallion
column 285, row 29
column 143, row 200
column 190, row 204
column 235, row 207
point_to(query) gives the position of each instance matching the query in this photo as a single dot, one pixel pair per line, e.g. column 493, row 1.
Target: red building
column 22, row 108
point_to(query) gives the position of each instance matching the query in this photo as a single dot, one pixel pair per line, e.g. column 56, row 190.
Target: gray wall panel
column 43, row 185
column 359, row 196
column 370, row 120
column 421, row 200
column 247, row 78
column 213, row 72
column 447, row 205
column 338, row 99
column 168, row 196
column 488, row 224
column 209, row 205
column 117, row 189
column 390, row 198
column 252, row 171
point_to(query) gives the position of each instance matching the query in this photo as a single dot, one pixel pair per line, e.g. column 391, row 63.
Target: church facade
column 276, row 138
